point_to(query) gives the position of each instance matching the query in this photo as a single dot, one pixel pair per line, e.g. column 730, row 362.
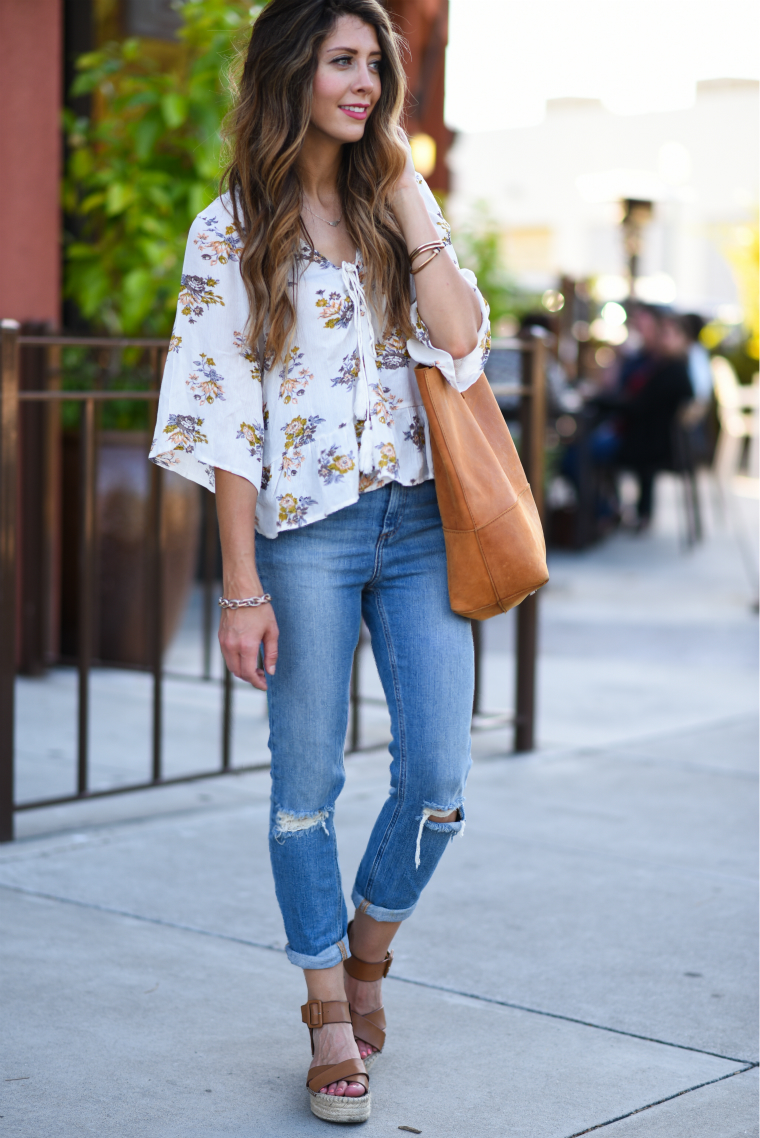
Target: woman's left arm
column 445, row 301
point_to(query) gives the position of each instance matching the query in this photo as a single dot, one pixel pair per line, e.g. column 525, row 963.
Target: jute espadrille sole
column 340, row 1109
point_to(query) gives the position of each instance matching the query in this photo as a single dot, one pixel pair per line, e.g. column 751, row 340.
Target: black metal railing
column 47, row 392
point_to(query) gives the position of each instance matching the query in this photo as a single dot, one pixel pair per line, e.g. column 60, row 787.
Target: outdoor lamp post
column 637, row 214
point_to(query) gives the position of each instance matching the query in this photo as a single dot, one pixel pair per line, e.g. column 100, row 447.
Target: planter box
column 123, row 603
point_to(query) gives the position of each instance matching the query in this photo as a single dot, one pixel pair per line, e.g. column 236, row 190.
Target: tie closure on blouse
column 365, row 345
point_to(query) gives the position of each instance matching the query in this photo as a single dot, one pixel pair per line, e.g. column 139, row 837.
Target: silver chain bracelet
column 248, row 603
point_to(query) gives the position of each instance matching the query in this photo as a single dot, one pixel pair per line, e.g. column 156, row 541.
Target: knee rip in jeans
column 289, row 824
column 431, row 818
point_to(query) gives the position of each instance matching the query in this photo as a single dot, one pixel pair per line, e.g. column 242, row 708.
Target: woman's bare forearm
column 445, row 301
column 243, row 633
column 236, row 500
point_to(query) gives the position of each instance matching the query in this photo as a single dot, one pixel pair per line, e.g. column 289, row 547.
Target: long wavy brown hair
column 266, row 130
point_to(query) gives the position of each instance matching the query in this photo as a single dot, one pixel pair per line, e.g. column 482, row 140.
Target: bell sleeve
column 459, row 373
column 210, row 410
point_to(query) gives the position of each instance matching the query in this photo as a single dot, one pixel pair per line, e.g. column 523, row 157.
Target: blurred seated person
column 697, row 421
column 593, row 462
column 636, row 362
column 700, row 372
column 643, row 348
column 654, row 383
column 561, row 395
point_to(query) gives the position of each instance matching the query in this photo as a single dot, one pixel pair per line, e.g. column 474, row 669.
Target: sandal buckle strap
column 316, row 1013
column 366, row 970
column 311, row 1013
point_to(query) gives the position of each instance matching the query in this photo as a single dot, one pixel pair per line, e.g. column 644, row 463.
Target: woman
column 290, row 389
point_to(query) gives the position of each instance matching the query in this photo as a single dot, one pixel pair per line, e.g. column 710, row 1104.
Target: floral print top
column 339, row 415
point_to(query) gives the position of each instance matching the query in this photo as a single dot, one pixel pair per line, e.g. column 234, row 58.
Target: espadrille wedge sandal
column 334, row 1108
column 370, row 1027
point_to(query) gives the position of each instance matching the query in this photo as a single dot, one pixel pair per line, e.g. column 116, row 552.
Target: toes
column 354, row 1090
column 337, row 1089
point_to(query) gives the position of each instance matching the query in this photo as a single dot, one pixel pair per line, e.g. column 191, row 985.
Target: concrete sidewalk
column 584, row 959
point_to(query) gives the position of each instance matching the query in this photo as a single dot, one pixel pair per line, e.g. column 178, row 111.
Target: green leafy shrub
column 478, row 245
column 145, row 163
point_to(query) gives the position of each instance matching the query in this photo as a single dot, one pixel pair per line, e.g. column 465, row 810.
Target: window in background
column 156, row 19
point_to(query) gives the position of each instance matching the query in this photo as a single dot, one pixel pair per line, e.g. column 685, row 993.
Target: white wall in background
column 554, row 186
column 507, row 57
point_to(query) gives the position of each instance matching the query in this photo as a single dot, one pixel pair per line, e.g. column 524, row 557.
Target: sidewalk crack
column 572, row 1019
column 668, row 1098
column 747, row 1064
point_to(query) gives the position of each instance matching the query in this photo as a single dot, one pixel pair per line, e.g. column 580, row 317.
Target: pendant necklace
column 332, row 224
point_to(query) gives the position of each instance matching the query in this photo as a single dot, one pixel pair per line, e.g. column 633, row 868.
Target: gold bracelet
column 424, row 248
column 432, row 257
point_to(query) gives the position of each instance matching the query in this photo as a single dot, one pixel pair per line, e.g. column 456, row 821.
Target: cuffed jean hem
column 328, row 958
column 377, row 912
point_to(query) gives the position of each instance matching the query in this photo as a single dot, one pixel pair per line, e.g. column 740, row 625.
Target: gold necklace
column 332, row 224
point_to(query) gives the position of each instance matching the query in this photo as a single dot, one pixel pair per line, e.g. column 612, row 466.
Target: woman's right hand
column 241, row 633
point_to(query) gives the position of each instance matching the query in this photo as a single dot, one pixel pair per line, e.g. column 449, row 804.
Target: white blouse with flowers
column 340, row 415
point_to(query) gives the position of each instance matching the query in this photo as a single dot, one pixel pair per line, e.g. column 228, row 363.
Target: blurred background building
column 581, row 108
column 557, row 188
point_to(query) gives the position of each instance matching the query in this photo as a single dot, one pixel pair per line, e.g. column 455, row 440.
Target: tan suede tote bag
column 495, row 547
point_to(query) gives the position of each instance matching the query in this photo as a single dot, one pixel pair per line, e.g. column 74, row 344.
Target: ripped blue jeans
column 381, row 558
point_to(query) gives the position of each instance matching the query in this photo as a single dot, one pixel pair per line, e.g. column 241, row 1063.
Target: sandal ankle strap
column 315, row 1013
column 367, row 970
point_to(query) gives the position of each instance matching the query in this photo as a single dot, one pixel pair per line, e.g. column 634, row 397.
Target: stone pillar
column 31, row 54
column 425, row 26
column 30, row 159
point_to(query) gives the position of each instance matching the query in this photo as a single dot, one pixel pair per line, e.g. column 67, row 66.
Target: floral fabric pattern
column 349, row 371
column 387, row 458
column 294, row 377
column 391, row 353
column 207, row 386
column 335, row 310
column 217, row 244
column 338, row 416
column 197, row 294
column 385, row 404
column 293, row 510
column 416, row 433
column 299, row 433
column 258, row 366
column 334, row 466
column 184, row 432
column 254, row 437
